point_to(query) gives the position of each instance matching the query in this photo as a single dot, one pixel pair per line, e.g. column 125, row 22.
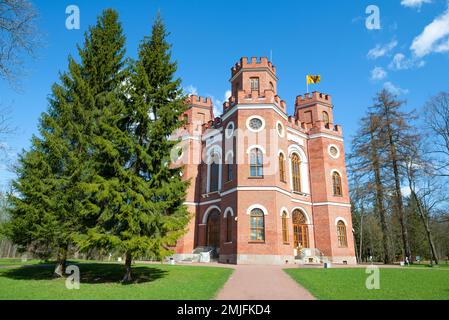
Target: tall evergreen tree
column 136, row 192
column 48, row 201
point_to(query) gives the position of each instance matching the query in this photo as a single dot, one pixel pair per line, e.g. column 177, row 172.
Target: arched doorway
column 213, row 229
column 300, row 229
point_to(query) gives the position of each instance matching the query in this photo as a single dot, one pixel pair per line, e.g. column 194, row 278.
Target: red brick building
column 266, row 187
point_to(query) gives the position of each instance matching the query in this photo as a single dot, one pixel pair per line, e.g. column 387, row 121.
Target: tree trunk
column 379, row 198
column 61, row 263
column 423, row 216
column 128, row 276
column 399, row 202
column 361, row 232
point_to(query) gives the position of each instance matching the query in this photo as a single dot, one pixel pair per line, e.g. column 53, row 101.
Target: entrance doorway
column 213, row 229
column 300, row 230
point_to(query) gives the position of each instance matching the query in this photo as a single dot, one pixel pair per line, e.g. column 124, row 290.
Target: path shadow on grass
column 91, row 273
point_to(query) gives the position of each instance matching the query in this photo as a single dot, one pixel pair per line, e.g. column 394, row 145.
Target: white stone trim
column 211, row 133
column 228, row 210
column 337, row 171
column 257, row 206
column 309, row 221
column 191, row 204
column 335, row 204
column 325, row 135
column 255, row 117
column 256, row 146
column 298, row 133
column 228, row 132
column 206, row 214
column 253, row 107
column 284, row 209
column 209, row 202
column 329, row 151
column 283, row 129
column 341, row 219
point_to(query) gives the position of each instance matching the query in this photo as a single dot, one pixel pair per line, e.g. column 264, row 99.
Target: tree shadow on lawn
column 90, row 273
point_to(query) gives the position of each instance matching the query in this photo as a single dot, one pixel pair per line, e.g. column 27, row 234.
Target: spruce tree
column 48, row 207
column 136, row 192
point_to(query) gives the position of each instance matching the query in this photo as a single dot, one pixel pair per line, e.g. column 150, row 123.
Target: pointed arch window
column 285, row 235
column 296, row 173
column 282, row 167
column 257, row 225
column 336, row 182
column 256, row 163
column 326, row 119
column 341, row 233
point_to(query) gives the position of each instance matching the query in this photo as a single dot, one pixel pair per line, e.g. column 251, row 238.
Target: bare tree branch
column 19, row 37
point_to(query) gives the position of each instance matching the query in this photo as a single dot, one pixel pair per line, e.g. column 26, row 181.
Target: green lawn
column 102, row 282
column 17, row 262
column 395, row 284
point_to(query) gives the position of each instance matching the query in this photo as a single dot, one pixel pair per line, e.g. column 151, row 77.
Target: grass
column 17, row 262
column 102, row 282
column 395, row 284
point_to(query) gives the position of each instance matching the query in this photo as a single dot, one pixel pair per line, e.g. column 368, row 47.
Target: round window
column 280, row 129
column 334, row 152
column 255, row 124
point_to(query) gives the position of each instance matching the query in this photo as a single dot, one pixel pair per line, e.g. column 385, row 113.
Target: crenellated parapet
column 198, row 101
column 253, row 63
column 314, row 97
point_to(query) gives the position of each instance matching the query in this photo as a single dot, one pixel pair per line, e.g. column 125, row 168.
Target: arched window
column 336, row 182
column 213, row 229
column 257, row 225
column 326, row 119
column 230, row 167
column 229, row 218
column 214, row 173
column 254, row 84
column 285, row 236
column 296, row 173
column 256, row 163
column 300, row 229
column 282, row 167
column 341, row 233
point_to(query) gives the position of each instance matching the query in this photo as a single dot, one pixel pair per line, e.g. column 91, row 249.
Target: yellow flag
column 313, row 79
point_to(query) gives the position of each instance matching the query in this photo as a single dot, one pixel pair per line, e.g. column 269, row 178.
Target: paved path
column 262, row 283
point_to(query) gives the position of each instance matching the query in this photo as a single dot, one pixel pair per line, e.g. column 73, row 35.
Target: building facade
column 265, row 187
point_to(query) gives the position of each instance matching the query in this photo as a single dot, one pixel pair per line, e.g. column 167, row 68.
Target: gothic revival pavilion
column 266, row 187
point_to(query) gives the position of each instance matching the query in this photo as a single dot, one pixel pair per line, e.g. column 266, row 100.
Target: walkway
column 254, row 282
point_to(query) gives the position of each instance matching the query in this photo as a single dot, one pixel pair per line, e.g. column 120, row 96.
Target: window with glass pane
column 229, row 228
column 257, row 225
column 326, row 119
column 285, row 236
column 214, row 173
column 341, row 232
column 230, row 168
column 336, row 180
column 296, row 173
column 282, row 167
column 254, row 84
column 256, row 163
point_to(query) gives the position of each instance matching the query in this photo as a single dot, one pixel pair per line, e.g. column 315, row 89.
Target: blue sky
column 409, row 54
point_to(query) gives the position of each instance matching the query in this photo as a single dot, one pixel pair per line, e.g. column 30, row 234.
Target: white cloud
column 382, row 50
column 434, row 38
column 401, row 62
column 218, row 104
column 416, row 4
column 191, row 90
column 378, row 73
column 396, row 90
